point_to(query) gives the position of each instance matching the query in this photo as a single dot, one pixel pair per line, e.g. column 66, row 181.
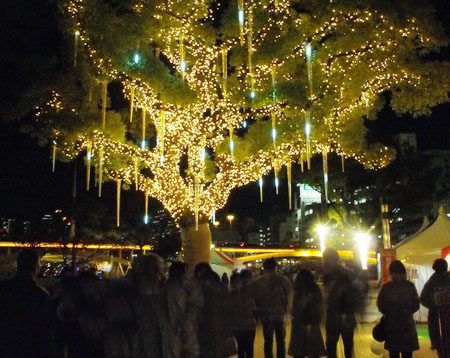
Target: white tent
column 419, row 251
column 221, row 262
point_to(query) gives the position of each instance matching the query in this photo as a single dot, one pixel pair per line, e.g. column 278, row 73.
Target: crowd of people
column 150, row 314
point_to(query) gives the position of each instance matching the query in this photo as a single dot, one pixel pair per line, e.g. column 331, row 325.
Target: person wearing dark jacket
column 398, row 300
column 306, row 338
column 342, row 299
column 437, row 286
column 244, row 312
column 25, row 311
column 271, row 292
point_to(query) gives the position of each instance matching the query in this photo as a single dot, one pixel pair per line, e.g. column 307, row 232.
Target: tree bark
column 196, row 244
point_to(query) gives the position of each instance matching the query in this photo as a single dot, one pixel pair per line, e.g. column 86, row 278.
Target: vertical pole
column 118, row 203
column 104, row 90
column 385, row 224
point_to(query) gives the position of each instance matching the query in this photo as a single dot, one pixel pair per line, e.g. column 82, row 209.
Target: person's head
column 201, row 268
column 28, row 262
column 330, row 258
column 440, row 266
column 304, row 279
column 177, row 271
column 246, row 277
column 149, row 266
column 396, row 268
column 270, row 264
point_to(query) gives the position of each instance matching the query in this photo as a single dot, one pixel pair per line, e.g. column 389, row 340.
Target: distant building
column 406, row 142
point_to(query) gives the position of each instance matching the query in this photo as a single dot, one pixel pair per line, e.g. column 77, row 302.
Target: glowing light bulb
column 308, row 129
column 143, row 144
column 260, row 180
column 308, row 51
column 244, row 124
column 252, row 94
column 183, row 66
column 277, row 182
column 77, row 33
column 274, row 133
column 89, row 156
column 241, row 17
column 231, row 145
column 145, row 219
column 203, row 154
column 137, row 58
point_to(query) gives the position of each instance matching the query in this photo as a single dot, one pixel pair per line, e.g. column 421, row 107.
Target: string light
column 190, row 112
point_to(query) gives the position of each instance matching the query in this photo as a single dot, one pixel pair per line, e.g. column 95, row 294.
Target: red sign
column 386, row 257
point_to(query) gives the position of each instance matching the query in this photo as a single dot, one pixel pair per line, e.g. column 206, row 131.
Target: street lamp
column 230, row 218
column 362, row 239
column 322, row 231
column 216, row 224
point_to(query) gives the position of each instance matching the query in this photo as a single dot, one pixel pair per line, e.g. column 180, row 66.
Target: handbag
column 379, row 331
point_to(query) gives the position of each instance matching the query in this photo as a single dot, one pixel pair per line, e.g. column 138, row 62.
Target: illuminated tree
column 222, row 93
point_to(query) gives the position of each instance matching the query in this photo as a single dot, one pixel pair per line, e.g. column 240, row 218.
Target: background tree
column 298, row 76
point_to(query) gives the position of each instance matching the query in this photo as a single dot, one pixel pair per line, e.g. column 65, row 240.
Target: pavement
column 365, row 345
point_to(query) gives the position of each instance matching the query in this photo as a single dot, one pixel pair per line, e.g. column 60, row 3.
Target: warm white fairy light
column 208, row 121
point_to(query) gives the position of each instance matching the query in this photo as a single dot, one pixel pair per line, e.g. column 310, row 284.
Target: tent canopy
column 423, row 247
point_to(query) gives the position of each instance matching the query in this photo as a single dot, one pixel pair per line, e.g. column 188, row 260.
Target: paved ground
column 363, row 343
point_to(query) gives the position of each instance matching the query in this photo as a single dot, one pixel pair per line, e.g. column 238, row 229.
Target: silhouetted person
column 398, row 300
column 24, row 311
column 271, row 292
column 225, row 281
column 341, row 299
column 214, row 330
column 433, row 297
column 184, row 302
column 244, row 312
column 200, row 269
column 306, row 338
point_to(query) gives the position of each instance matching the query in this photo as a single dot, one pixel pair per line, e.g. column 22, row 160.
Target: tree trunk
column 196, row 244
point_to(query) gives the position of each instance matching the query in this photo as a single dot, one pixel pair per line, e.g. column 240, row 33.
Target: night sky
column 28, row 188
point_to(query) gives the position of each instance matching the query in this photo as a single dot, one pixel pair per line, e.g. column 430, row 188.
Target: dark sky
column 29, row 188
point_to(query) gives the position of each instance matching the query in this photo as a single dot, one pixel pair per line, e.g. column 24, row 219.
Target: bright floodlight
column 146, row 219
column 231, row 145
column 216, row 223
column 363, row 245
column 230, row 217
column 244, row 124
column 252, row 94
column 183, row 66
column 143, row 144
column 322, row 231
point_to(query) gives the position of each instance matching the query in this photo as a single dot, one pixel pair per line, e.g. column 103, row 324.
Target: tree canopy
column 221, row 93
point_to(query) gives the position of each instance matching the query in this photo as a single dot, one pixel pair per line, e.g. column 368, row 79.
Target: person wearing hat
column 436, row 287
column 398, row 300
column 271, row 291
